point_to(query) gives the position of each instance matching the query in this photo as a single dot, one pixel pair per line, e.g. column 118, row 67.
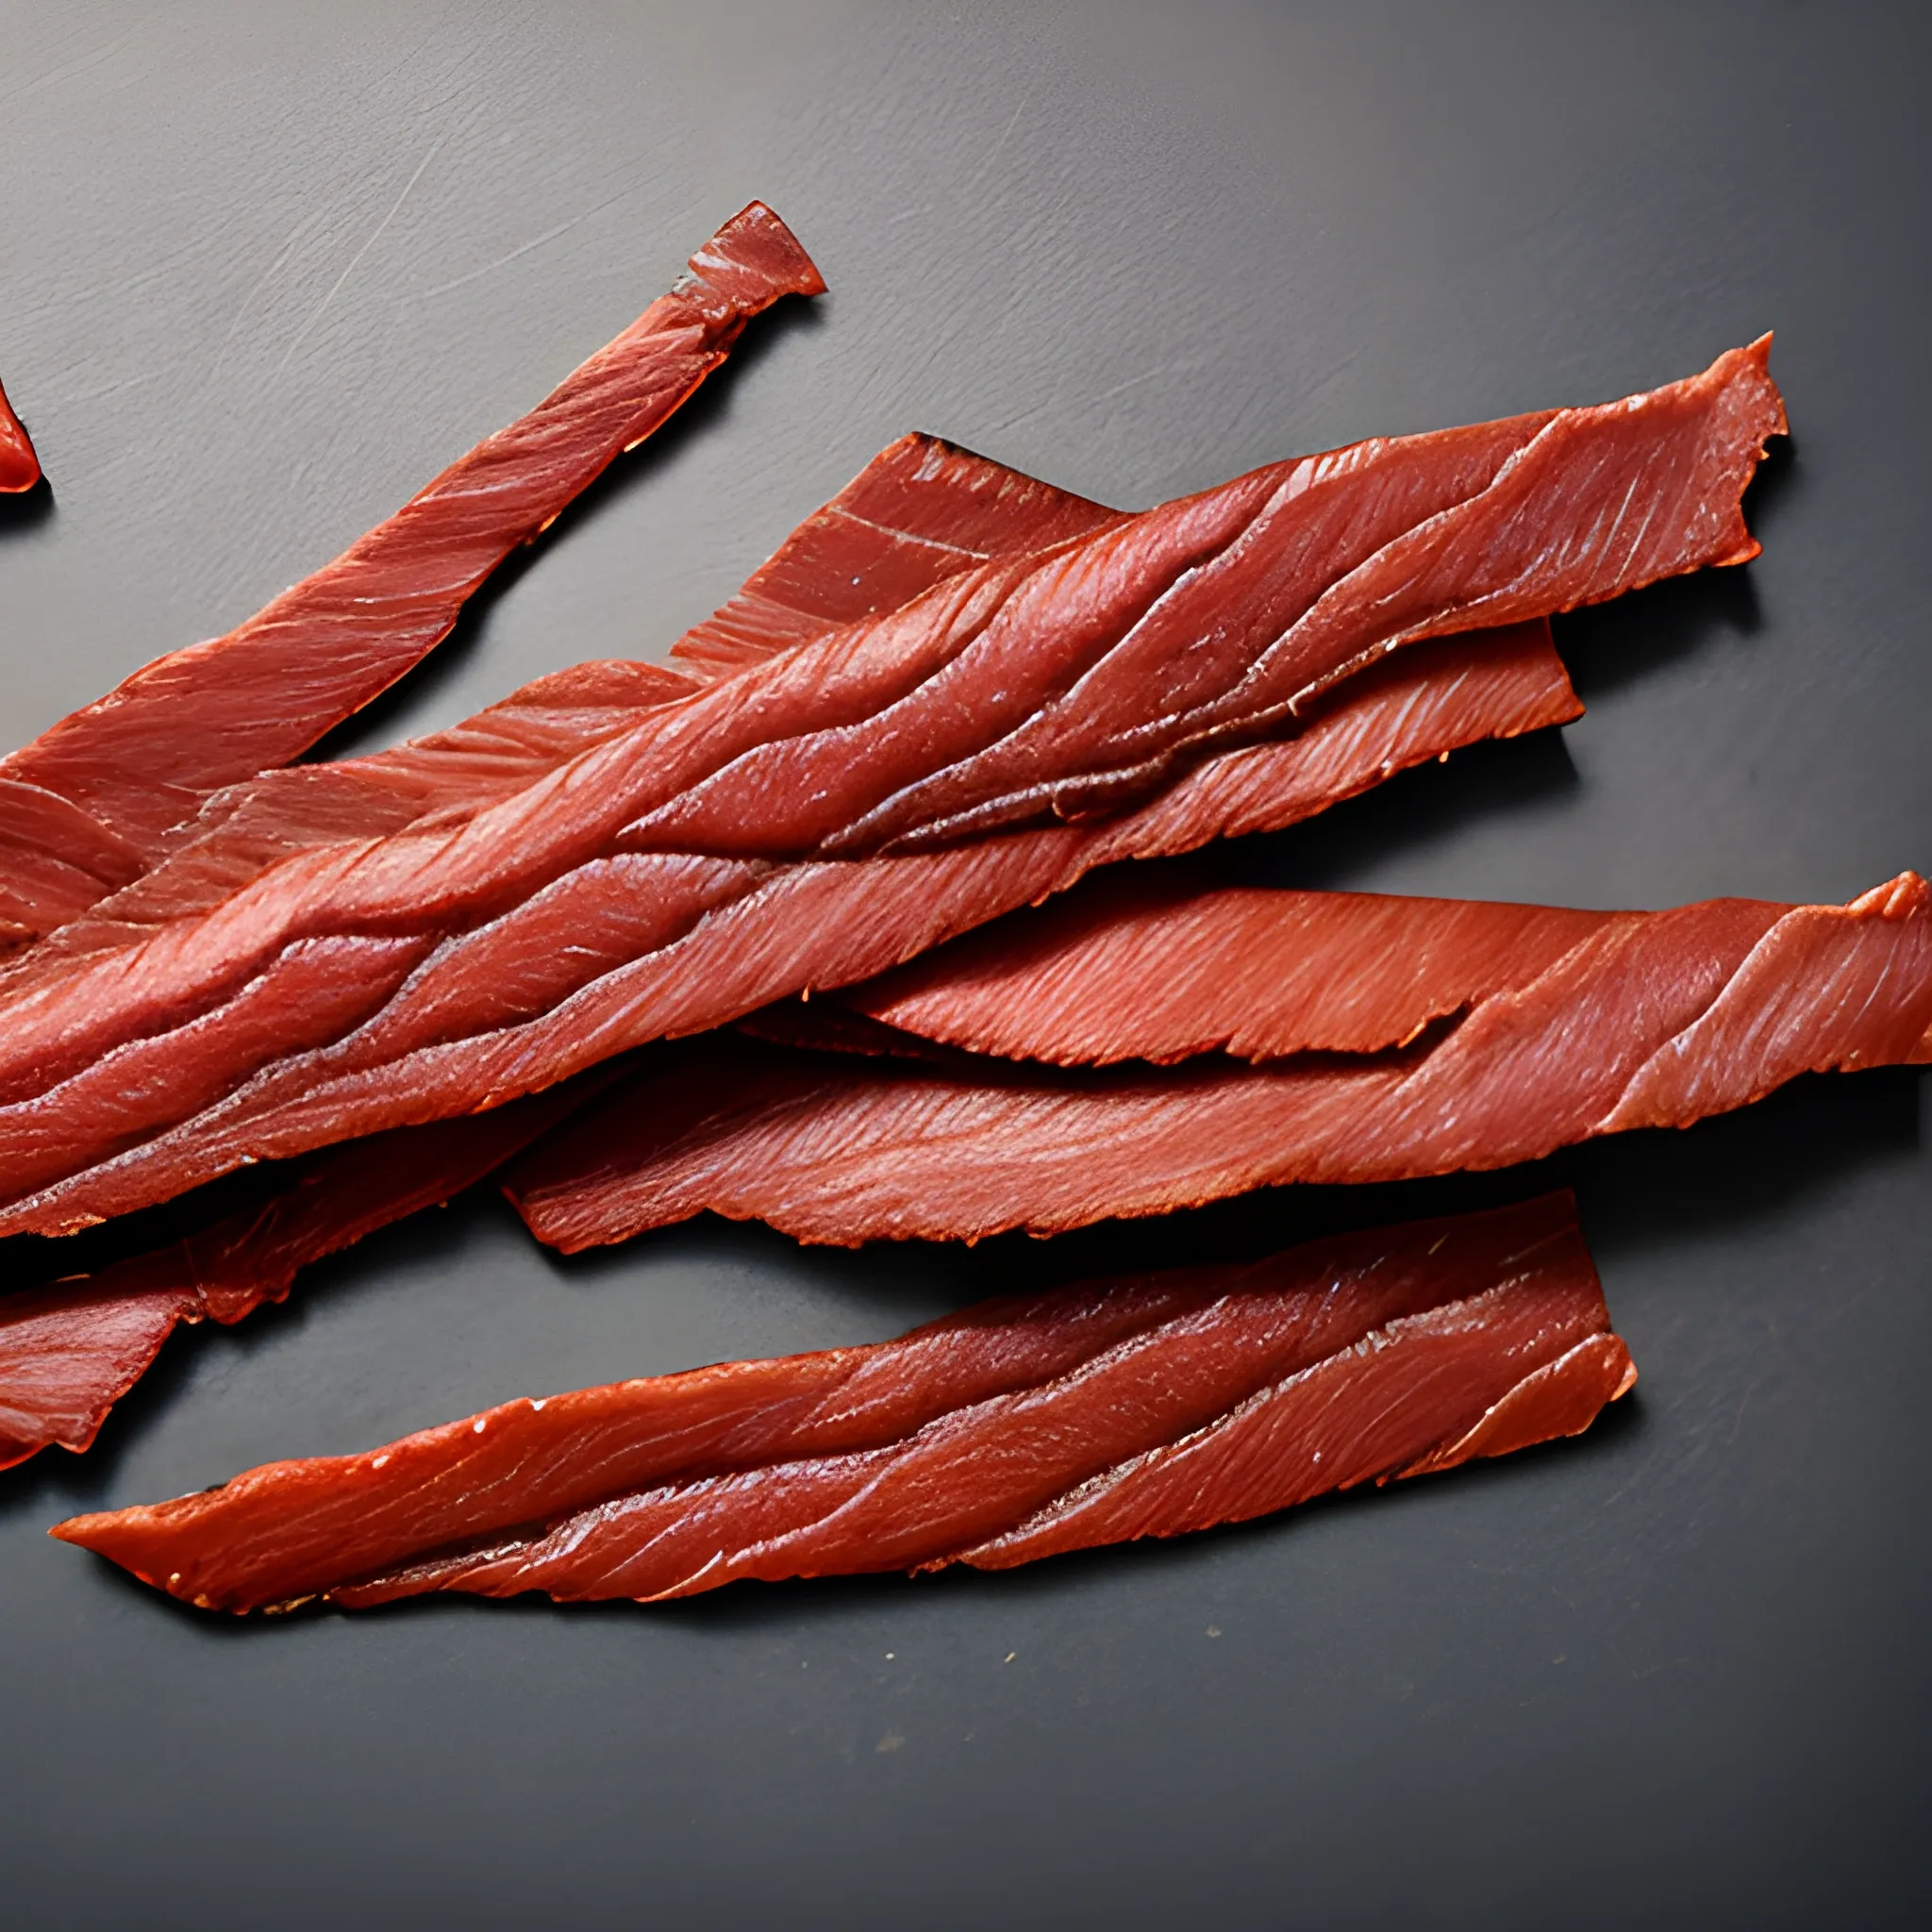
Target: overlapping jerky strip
column 103, row 795
column 1645, row 1020
column 72, row 1349
column 800, row 824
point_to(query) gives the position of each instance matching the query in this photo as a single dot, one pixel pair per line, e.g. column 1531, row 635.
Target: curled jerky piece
column 70, row 1350
column 20, row 468
column 1647, row 1019
column 103, row 795
column 800, row 823
column 1019, row 1428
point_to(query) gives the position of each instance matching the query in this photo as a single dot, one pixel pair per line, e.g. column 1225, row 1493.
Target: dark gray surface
column 267, row 268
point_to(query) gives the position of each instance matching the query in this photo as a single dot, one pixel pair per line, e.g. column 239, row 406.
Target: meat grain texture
column 70, row 1350
column 835, row 806
column 1018, row 1429
column 105, row 793
column 1567, row 1026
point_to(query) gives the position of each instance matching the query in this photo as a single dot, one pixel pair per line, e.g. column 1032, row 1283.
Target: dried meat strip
column 1132, row 968
column 801, row 823
column 1414, row 710
column 135, row 767
column 434, row 782
column 920, row 511
column 1647, row 1020
column 1020, row 1428
column 20, row 468
column 70, row 1350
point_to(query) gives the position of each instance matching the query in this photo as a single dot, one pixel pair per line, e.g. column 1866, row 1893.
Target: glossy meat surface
column 139, row 763
column 20, row 468
column 440, row 780
column 1129, row 968
column 920, row 513
column 802, row 822
column 1417, row 707
column 1020, row 1428
column 1652, row 1020
column 71, row 1350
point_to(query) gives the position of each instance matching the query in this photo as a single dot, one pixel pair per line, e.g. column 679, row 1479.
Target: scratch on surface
column 1087, row 402
column 375, row 236
column 112, row 389
column 257, row 285
column 548, row 235
column 1738, row 1420
column 980, row 172
column 70, row 68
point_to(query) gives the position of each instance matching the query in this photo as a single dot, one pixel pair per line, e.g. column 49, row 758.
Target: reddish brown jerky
column 1144, row 1406
column 1414, row 709
column 800, row 824
column 1654, row 1020
column 920, row 511
column 1130, row 968
column 20, row 468
column 138, row 764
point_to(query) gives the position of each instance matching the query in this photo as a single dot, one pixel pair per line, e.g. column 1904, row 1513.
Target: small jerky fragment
column 804, row 822
column 138, row 764
column 70, row 1350
column 1148, row 1406
column 20, row 468
column 1648, row 1020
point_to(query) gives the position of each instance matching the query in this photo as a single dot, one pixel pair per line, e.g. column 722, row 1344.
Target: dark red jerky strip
column 140, row 761
column 1365, row 1356
column 920, row 513
column 1415, row 709
column 70, row 1350
column 813, row 768
column 20, row 468
column 1656, row 1024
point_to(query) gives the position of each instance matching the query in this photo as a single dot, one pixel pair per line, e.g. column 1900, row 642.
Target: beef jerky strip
column 1132, row 967
column 72, row 1349
column 1019, row 1428
column 1489, row 683
column 920, row 511
column 68, row 1352
column 798, row 824
column 103, row 795
column 20, row 468
column 1654, row 1021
